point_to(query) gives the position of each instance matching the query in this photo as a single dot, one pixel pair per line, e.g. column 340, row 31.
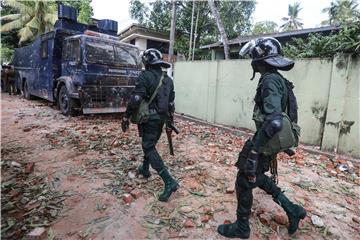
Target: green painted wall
column 327, row 91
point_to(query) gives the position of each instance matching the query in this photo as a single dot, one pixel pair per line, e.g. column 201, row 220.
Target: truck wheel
column 66, row 103
column 26, row 92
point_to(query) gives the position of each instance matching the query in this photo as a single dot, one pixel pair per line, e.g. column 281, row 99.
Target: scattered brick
column 29, row 168
column 280, row 218
column 189, row 224
column 265, row 218
column 14, row 194
column 38, row 233
column 205, row 218
column 127, row 198
column 355, row 219
column 207, row 210
column 230, row 190
column 135, row 193
column 227, row 221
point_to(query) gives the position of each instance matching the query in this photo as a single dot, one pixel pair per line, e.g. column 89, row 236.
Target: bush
column 347, row 40
column 6, row 54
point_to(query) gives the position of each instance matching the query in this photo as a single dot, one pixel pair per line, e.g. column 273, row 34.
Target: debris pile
column 27, row 200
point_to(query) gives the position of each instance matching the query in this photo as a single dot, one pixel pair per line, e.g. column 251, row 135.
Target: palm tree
column 292, row 22
column 33, row 18
column 342, row 11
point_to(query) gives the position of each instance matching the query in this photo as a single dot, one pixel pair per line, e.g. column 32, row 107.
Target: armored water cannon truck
column 79, row 67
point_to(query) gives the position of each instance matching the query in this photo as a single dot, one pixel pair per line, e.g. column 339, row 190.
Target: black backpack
column 163, row 95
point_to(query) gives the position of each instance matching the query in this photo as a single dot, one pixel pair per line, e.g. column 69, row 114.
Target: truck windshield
column 110, row 53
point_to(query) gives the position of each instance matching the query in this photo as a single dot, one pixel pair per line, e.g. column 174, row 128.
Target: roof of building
column 279, row 35
column 136, row 29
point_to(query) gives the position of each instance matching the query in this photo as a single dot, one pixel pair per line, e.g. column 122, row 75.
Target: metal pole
column 172, row 33
column 195, row 34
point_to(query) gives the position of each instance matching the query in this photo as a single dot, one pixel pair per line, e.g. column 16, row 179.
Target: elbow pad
column 135, row 101
column 273, row 124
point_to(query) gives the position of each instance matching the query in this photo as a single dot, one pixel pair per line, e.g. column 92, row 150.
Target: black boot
column 171, row 185
column 143, row 169
column 238, row 229
column 294, row 212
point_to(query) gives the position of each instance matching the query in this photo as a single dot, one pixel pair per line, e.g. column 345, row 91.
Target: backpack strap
column 290, row 105
column 157, row 88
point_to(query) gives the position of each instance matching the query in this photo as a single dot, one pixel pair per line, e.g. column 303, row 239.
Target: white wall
column 327, row 91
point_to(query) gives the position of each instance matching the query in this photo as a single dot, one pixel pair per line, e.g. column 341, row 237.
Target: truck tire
column 26, row 92
column 66, row 104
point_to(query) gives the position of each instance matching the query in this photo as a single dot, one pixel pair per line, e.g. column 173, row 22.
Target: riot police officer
column 271, row 101
column 161, row 112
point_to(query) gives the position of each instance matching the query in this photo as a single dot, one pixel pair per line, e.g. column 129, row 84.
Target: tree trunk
column 172, row 32
column 220, row 26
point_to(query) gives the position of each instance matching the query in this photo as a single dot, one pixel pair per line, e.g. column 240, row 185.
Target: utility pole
column 191, row 30
column 195, row 34
column 172, row 30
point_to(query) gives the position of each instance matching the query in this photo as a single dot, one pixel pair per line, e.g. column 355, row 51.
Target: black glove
column 251, row 165
column 125, row 124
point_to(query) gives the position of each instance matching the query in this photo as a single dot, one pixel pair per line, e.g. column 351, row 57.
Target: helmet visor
column 247, row 48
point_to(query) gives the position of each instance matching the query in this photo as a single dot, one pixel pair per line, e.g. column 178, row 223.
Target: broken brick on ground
column 92, row 164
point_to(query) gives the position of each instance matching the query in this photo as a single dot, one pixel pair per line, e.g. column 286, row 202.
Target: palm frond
column 15, row 4
column 17, row 24
column 10, row 17
column 50, row 18
column 34, row 23
column 25, row 34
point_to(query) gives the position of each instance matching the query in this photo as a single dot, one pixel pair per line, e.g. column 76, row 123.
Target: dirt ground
column 73, row 176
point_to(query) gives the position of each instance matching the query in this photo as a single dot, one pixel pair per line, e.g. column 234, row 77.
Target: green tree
column 292, row 22
column 235, row 16
column 32, row 18
column 9, row 39
column 139, row 11
column 86, row 11
column 264, row 27
column 346, row 40
column 342, row 12
column 6, row 54
column 83, row 7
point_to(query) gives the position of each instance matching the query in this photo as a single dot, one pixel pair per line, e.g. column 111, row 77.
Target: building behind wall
column 145, row 38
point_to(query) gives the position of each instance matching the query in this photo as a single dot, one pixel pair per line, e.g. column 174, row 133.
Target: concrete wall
column 327, row 91
column 141, row 43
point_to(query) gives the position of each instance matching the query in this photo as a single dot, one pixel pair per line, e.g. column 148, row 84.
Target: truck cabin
column 102, row 72
column 80, row 67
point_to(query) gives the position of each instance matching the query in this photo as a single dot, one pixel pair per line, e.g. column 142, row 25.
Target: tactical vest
column 289, row 134
column 161, row 101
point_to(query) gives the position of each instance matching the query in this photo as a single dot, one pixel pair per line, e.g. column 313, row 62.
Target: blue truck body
column 80, row 67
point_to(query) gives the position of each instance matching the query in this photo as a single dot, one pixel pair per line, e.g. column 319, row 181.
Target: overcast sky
column 272, row 10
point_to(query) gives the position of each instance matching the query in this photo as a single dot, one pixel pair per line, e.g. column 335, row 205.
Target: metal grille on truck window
column 113, row 81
